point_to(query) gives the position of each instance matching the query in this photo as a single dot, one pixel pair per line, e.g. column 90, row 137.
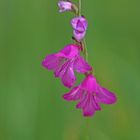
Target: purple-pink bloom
column 90, row 94
column 65, row 62
column 64, row 6
column 79, row 25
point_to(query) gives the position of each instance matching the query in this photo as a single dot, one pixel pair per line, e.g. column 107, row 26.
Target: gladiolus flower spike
column 89, row 94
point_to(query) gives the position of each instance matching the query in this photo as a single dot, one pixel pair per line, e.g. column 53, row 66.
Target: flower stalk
column 89, row 93
column 79, row 7
column 83, row 42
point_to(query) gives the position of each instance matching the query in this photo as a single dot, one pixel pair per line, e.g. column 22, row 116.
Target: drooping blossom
column 65, row 62
column 90, row 94
column 79, row 25
column 64, row 6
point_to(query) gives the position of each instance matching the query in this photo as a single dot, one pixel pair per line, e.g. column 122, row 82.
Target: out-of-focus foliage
column 31, row 107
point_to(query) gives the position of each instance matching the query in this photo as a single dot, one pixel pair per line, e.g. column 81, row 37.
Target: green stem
column 87, row 129
column 85, row 50
column 79, row 7
column 85, row 53
column 83, row 42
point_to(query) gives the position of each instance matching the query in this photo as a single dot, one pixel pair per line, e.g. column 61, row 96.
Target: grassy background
column 31, row 107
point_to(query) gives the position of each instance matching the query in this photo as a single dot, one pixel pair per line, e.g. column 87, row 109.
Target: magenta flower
column 65, row 62
column 79, row 25
column 64, row 6
column 90, row 94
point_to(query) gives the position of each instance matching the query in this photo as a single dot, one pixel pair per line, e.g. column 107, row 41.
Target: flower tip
column 43, row 63
column 68, row 85
column 114, row 100
column 88, row 114
column 66, row 97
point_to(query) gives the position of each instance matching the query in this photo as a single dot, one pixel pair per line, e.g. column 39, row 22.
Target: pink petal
column 90, row 84
column 90, row 108
column 89, row 105
column 105, row 96
column 74, row 94
column 81, row 66
column 80, row 27
column 51, row 62
column 69, row 51
column 79, row 35
column 61, row 68
column 82, row 102
column 68, row 78
column 75, row 23
column 64, row 6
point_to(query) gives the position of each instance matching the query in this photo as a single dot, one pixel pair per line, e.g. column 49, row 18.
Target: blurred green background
column 31, row 107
